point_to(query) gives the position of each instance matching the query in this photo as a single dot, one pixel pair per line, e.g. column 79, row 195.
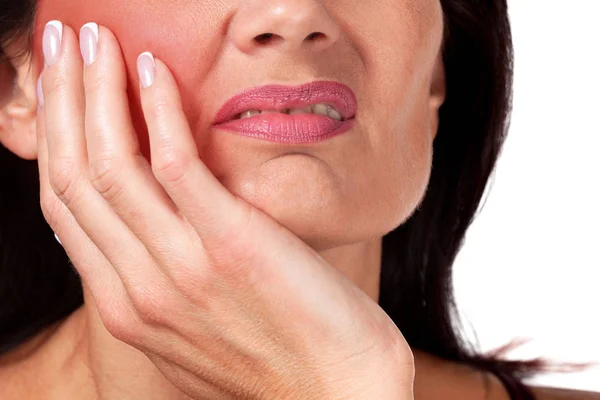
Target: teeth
column 249, row 113
column 305, row 110
column 323, row 109
column 318, row 109
column 333, row 114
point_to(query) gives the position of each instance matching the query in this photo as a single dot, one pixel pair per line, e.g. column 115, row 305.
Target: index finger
column 212, row 210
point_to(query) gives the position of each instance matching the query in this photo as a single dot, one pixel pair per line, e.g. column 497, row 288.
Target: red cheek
column 137, row 31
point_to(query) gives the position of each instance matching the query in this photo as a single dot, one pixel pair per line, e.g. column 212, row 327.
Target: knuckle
column 120, row 324
column 171, row 166
column 237, row 273
column 52, row 209
column 234, row 270
column 153, row 307
column 65, row 179
column 199, row 290
column 244, row 223
column 240, row 251
column 238, row 236
column 105, row 176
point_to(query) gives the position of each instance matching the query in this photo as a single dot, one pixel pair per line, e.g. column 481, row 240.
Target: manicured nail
column 146, row 68
column 57, row 239
column 40, row 93
column 88, row 42
column 52, row 41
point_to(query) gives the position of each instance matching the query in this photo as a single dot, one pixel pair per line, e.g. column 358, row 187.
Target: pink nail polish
column 88, row 42
column 146, row 68
column 52, row 42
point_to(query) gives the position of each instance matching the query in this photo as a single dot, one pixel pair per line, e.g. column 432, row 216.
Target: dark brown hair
column 39, row 287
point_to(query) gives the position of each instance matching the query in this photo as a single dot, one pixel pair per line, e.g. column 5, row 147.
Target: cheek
column 397, row 167
column 154, row 32
column 404, row 173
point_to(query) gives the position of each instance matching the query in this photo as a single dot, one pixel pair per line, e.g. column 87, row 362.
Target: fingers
column 64, row 108
column 67, row 166
column 105, row 94
column 117, row 169
column 134, row 213
column 213, row 211
column 94, row 269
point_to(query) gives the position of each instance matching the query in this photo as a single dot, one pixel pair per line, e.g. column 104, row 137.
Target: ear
column 437, row 94
column 18, row 104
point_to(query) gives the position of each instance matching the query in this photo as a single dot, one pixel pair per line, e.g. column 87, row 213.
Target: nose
column 284, row 25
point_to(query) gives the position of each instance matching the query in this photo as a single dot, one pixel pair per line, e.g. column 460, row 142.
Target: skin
column 211, row 289
column 374, row 176
column 377, row 174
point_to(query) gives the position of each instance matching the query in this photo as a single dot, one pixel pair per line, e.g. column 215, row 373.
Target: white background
column 530, row 266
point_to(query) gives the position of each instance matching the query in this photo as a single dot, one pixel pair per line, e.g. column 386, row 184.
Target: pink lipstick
column 307, row 113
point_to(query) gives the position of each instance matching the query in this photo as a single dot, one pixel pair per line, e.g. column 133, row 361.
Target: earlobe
column 437, row 94
column 18, row 107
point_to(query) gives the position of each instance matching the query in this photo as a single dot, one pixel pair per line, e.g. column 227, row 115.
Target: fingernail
column 146, row 68
column 57, row 239
column 88, row 42
column 40, row 93
column 51, row 42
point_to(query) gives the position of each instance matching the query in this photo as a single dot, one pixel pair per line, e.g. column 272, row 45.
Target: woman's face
column 350, row 188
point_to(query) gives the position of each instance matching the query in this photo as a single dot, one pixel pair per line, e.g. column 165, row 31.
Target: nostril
column 264, row 38
column 314, row 35
column 269, row 38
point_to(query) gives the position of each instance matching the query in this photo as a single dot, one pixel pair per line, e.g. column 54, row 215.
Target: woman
column 226, row 250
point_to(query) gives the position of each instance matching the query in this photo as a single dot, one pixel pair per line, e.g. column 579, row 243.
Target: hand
column 224, row 300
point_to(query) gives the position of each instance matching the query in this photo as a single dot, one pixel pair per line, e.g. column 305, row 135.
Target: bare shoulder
column 436, row 378
column 544, row 393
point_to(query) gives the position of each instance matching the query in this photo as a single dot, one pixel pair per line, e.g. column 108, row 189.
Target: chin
column 305, row 196
column 322, row 225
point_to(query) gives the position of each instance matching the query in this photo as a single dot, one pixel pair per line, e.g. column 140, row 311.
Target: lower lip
column 284, row 128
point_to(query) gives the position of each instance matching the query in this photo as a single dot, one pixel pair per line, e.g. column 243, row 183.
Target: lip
column 279, row 127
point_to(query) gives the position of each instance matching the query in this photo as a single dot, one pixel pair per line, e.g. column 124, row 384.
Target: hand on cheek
column 179, row 267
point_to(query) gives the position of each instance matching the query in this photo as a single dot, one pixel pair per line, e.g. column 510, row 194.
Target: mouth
column 328, row 110
column 325, row 98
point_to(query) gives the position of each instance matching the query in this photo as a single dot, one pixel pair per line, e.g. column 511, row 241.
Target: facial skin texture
column 340, row 196
column 350, row 189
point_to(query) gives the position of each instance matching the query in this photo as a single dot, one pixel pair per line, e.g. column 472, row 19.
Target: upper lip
column 279, row 97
